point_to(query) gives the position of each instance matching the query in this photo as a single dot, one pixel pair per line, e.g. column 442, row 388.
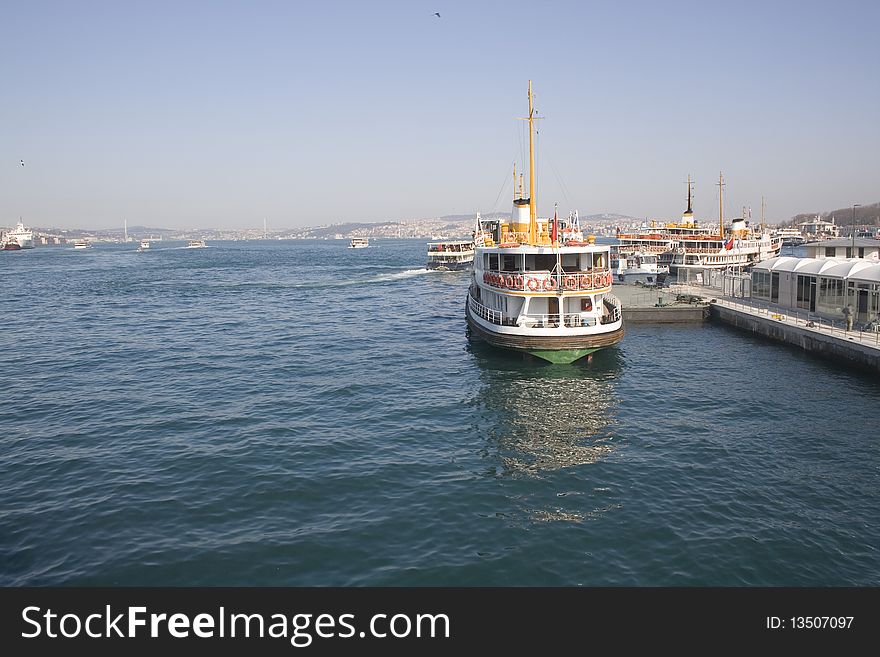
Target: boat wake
column 408, row 273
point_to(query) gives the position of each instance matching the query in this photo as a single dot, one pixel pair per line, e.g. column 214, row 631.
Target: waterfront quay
column 661, row 305
column 686, row 304
column 824, row 337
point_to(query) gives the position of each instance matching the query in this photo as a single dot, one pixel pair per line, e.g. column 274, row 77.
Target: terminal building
column 823, row 286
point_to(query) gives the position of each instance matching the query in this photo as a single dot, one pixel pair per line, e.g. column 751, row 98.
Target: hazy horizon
column 223, row 114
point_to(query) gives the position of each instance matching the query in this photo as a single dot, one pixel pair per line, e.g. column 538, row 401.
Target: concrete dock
column 643, row 305
column 819, row 336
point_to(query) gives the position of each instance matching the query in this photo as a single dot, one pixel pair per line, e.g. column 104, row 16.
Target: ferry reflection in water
column 547, row 422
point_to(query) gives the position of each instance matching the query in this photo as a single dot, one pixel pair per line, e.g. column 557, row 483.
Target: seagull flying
column 437, row 14
column 22, row 162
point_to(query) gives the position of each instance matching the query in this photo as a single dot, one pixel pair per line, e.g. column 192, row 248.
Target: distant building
column 843, row 248
column 823, row 286
column 819, row 228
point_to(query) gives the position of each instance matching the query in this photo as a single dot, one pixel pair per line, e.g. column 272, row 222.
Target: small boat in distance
column 454, row 255
column 358, row 243
column 196, row 244
column 81, row 244
column 145, row 244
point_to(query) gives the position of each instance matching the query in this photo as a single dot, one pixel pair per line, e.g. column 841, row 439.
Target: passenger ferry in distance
column 359, row 243
column 538, row 286
column 690, row 245
column 22, row 236
column 454, row 255
column 196, row 244
column 790, row 236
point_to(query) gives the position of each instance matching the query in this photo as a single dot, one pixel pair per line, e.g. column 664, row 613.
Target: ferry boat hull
column 450, row 266
column 560, row 350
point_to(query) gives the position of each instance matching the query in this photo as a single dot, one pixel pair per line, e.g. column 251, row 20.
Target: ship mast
column 533, row 206
column 762, row 215
column 689, row 210
column 721, row 203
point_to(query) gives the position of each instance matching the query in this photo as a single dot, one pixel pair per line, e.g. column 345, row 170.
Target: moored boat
column 638, row 267
column 689, row 245
column 538, row 286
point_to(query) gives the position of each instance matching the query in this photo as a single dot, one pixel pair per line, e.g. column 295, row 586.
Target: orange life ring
column 585, row 281
column 534, row 284
column 608, row 279
column 518, row 281
column 571, row 282
column 508, row 281
column 550, row 284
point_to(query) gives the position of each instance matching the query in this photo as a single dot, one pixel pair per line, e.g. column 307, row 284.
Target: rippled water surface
column 300, row 413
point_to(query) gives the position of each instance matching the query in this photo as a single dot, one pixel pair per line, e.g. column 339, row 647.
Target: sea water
column 300, row 413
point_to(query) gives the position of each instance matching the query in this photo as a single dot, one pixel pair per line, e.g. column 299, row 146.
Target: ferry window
column 774, row 287
column 849, row 252
column 861, row 252
column 830, row 251
column 510, row 263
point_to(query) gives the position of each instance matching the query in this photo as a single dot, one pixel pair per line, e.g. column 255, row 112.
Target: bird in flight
column 22, row 162
column 437, row 14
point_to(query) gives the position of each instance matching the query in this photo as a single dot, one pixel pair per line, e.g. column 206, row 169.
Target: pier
column 817, row 335
column 686, row 304
column 672, row 305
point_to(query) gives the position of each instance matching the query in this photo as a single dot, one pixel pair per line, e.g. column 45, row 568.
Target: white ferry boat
column 144, row 245
column 81, row 244
column 358, row 243
column 638, row 267
column 690, row 245
column 450, row 255
column 22, row 236
column 790, row 236
column 538, row 286
column 196, row 244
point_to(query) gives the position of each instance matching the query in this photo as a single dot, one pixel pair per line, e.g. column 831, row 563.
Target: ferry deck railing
column 543, row 320
column 536, row 281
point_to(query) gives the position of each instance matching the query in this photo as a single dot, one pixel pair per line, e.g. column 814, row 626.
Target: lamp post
column 857, row 205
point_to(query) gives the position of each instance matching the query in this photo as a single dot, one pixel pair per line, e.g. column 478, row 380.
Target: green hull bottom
column 562, row 356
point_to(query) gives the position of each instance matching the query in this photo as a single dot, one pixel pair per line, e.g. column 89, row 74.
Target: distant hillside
column 866, row 215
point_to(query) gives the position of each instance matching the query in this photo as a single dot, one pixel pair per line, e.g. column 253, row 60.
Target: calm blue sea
column 300, row 413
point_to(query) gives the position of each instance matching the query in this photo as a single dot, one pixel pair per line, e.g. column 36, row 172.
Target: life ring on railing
column 518, row 281
column 485, row 277
column 508, row 281
column 585, row 281
column 550, row 284
column 608, row 279
column 534, row 284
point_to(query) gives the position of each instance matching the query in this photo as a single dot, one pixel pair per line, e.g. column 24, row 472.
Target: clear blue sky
column 218, row 114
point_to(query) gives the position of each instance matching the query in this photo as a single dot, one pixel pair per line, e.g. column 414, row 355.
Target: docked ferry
column 690, row 245
column 538, row 286
column 453, row 255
